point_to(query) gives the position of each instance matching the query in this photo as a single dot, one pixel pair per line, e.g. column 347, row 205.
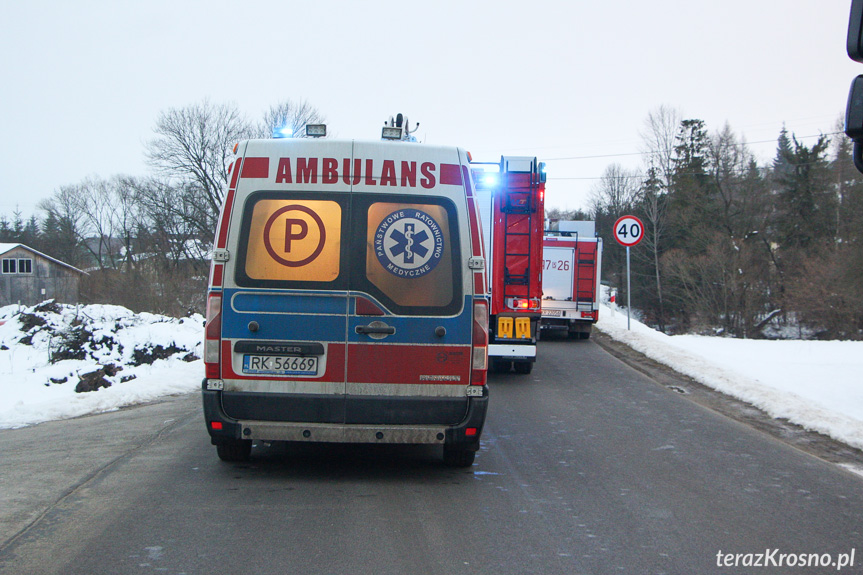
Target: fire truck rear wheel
column 523, row 367
column 500, row 365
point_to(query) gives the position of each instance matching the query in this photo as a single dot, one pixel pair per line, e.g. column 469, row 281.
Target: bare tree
column 95, row 203
column 294, row 115
column 613, row 196
column 616, row 192
column 658, row 141
column 97, row 215
column 194, row 146
column 167, row 210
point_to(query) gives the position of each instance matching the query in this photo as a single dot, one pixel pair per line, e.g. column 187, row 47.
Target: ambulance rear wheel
column 458, row 456
column 235, row 451
column 523, row 367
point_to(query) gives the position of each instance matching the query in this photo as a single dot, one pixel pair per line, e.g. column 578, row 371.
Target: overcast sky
column 83, row 82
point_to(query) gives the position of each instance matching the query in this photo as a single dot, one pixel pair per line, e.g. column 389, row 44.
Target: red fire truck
column 572, row 264
column 510, row 195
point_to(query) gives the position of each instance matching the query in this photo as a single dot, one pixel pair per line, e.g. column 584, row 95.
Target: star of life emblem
column 409, row 243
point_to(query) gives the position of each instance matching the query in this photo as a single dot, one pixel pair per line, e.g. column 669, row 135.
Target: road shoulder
column 46, row 463
column 814, row 443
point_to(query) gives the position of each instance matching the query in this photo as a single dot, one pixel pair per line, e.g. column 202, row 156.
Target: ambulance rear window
column 410, row 253
column 293, row 240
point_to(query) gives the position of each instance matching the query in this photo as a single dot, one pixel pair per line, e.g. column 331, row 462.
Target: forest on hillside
column 732, row 247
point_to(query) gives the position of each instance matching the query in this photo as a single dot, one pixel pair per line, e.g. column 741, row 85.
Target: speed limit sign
column 628, row 230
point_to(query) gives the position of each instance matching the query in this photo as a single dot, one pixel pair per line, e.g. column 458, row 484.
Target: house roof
column 5, row 248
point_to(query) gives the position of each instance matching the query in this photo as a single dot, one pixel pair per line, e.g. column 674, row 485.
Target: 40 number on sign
column 628, row 230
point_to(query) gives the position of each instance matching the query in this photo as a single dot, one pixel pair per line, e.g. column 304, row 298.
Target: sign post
column 628, row 231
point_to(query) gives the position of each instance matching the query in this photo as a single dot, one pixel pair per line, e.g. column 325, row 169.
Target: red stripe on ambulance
column 216, row 275
column 256, row 168
column 224, row 219
column 395, row 363
column 450, row 174
column 477, row 247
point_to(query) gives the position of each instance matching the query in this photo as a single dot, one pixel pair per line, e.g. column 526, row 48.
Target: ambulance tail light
column 479, row 365
column 213, row 336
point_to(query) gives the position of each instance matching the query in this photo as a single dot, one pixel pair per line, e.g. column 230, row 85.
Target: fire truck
column 510, row 196
column 572, row 262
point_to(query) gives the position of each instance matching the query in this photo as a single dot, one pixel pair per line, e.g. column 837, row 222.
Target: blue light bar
column 490, row 180
column 283, row 132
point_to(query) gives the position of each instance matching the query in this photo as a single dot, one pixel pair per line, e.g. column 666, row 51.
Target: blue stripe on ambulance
column 288, row 317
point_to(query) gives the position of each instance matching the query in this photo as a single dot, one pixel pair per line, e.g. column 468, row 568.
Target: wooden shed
column 28, row 276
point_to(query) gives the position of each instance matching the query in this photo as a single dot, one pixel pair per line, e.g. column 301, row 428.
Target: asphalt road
column 587, row 466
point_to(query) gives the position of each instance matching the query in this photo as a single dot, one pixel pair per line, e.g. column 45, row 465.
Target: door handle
column 376, row 329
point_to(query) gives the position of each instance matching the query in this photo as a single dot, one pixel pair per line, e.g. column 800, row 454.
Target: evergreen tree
column 5, row 230
column 31, row 235
column 781, row 167
column 689, row 197
column 807, row 201
column 17, row 226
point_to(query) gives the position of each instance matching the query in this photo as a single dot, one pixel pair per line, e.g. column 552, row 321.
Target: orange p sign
column 294, row 240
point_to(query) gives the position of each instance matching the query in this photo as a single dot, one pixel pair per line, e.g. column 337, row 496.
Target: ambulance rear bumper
column 465, row 434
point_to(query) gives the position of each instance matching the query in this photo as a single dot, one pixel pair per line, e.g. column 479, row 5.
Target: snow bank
column 815, row 384
column 45, row 349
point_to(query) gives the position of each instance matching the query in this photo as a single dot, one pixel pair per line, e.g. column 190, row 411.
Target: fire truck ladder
column 517, row 205
column 585, row 274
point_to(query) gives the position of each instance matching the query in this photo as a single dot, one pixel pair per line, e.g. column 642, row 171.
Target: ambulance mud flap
column 222, row 429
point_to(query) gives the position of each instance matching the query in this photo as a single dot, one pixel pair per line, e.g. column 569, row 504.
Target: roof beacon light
column 283, row 132
column 316, row 130
column 490, row 180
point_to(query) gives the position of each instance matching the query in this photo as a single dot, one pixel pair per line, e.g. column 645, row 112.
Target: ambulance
column 345, row 300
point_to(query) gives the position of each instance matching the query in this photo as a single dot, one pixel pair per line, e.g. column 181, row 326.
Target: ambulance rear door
column 286, row 300
column 410, row 316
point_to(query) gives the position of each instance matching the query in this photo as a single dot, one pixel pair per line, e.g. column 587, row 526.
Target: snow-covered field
column 815, row 384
